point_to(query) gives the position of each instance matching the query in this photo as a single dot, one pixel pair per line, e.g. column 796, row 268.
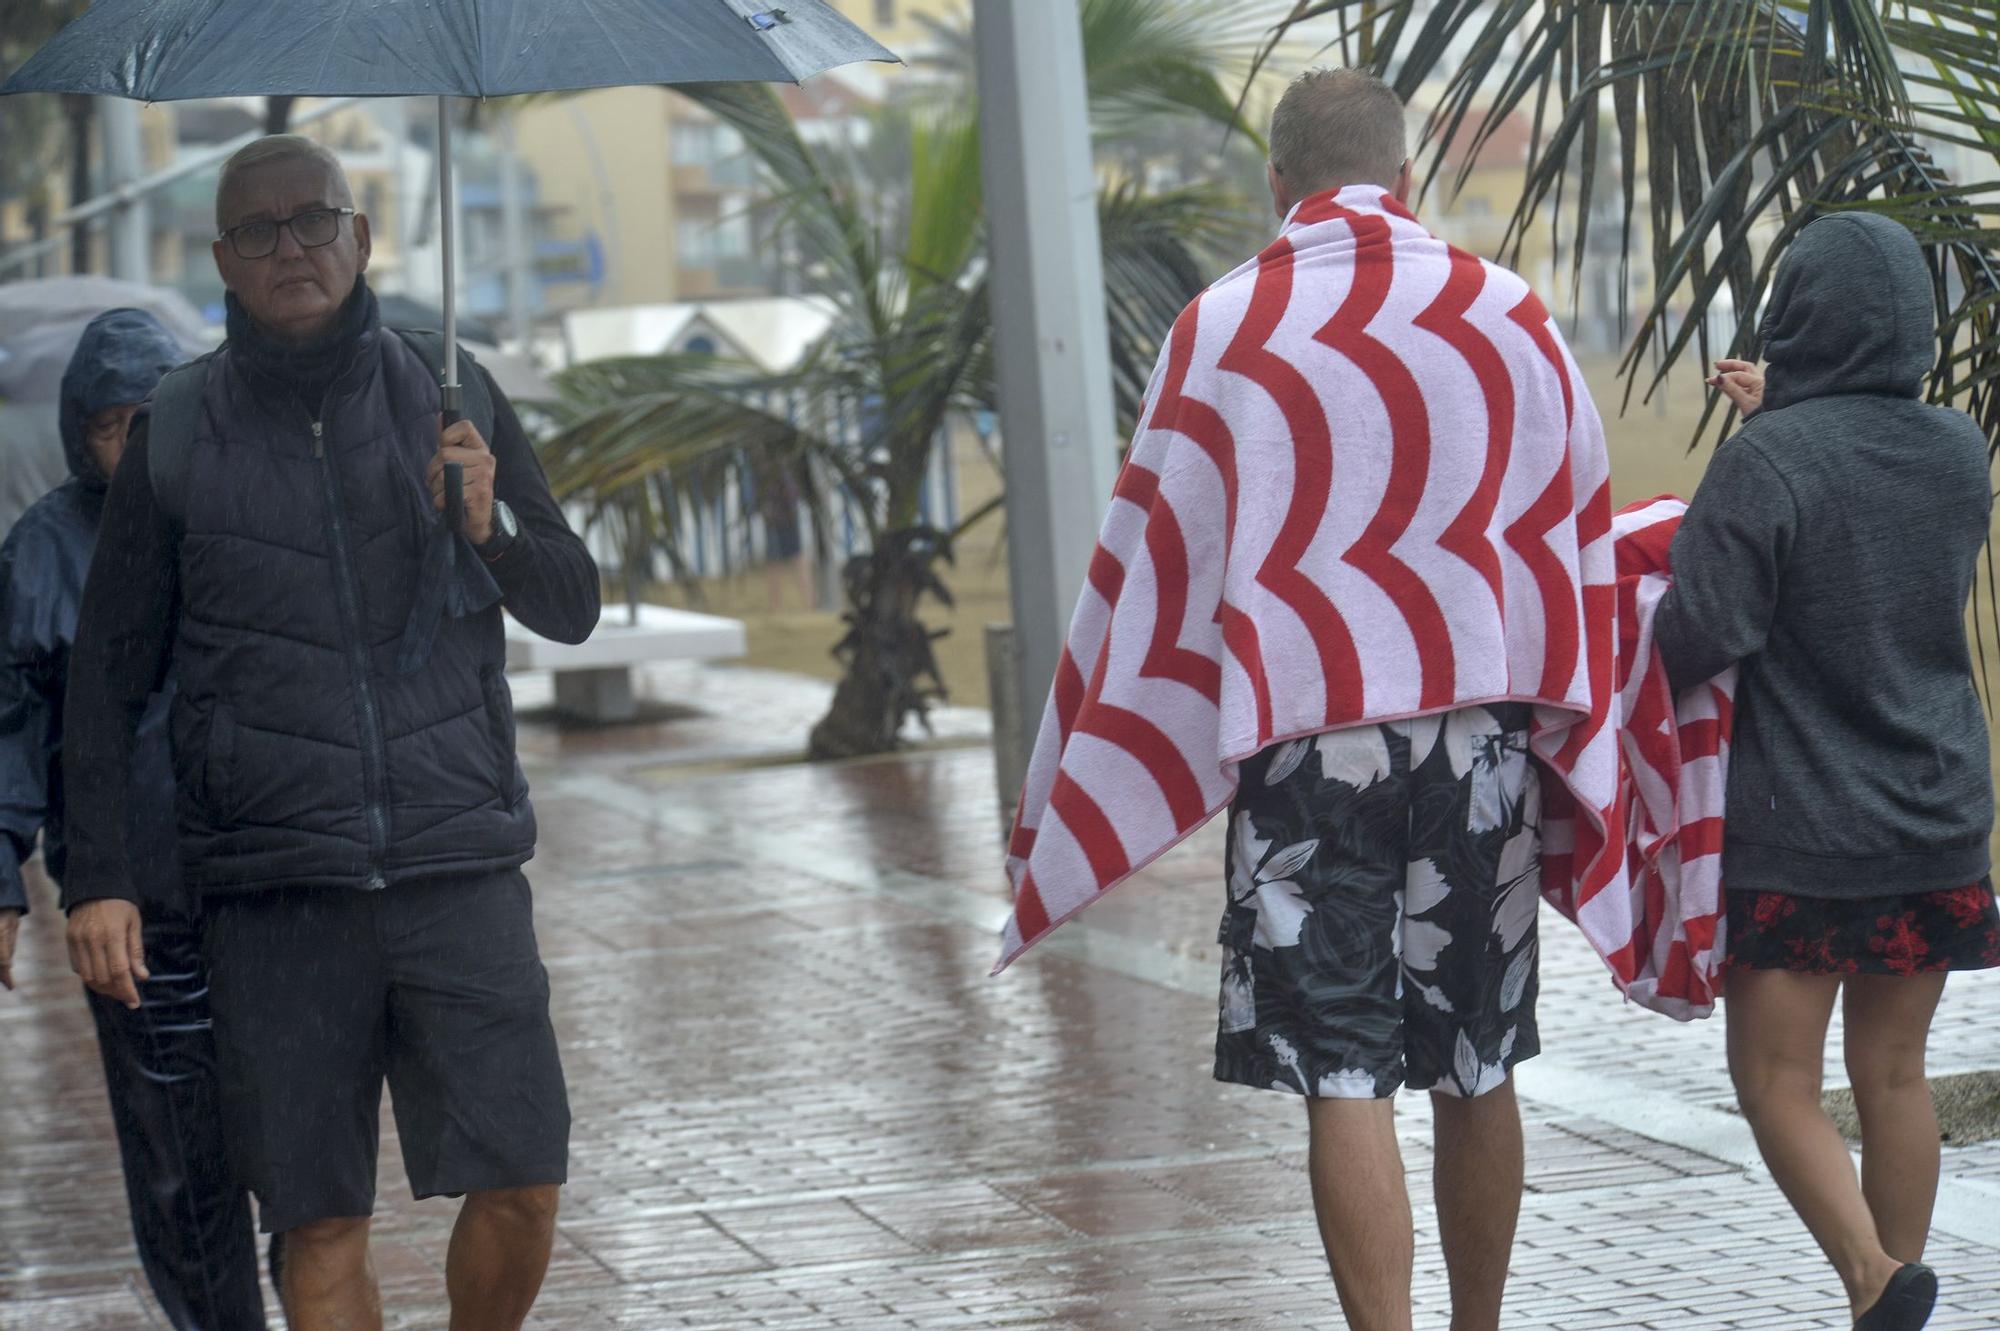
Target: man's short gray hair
column 282, row 148
column 1336, row 127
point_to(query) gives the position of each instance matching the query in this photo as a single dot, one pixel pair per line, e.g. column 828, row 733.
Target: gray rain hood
column 1853, row 312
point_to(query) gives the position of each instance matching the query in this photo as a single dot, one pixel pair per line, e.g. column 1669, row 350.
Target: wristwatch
column 505, row 528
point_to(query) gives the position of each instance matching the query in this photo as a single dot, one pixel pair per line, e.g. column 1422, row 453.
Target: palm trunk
column 891, row 669
column 863, row 719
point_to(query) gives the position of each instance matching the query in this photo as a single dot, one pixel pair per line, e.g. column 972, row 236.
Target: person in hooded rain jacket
column 191, row 1218
column 1830, row 554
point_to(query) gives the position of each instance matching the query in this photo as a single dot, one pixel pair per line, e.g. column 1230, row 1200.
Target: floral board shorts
column 1914, row 934
column 1383, row 886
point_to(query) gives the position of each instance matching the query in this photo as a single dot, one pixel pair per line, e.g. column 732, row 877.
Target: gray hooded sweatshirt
column 1830, row 551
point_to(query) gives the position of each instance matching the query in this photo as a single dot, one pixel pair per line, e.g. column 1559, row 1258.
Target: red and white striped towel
column 1674, row 777
column 1368, row 484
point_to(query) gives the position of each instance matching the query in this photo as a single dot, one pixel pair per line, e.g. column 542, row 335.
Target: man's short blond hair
column 281, row 148
column 1337, row 127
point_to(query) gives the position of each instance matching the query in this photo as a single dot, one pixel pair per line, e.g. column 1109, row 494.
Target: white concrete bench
column 593, row 679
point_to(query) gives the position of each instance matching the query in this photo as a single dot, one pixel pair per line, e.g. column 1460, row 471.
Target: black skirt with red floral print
column 1953, row 930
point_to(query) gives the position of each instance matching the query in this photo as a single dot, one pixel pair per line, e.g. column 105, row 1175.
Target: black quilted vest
column 303, row 754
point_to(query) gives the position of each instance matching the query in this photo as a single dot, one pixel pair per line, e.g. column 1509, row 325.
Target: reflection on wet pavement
column 800, row 1102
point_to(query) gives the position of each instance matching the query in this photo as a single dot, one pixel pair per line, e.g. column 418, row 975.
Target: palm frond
column 815, row 200
column 1737, row 122
column 1159, row 253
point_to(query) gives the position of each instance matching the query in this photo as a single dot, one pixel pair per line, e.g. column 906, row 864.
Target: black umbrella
column 174, row 50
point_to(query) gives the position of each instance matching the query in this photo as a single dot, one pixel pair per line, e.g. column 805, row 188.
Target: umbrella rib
column 478, row 52
column 611, row 39
column 346, row 8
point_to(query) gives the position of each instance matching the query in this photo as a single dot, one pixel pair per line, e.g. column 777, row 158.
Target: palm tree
column 902, row 263
column 1739, row 121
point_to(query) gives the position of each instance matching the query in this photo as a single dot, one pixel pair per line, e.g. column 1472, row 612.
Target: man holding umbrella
column 352, row 810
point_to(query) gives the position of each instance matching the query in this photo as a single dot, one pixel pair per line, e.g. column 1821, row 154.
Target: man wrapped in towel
column 1357, row 586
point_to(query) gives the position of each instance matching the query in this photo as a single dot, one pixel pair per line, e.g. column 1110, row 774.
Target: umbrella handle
column 454, row 473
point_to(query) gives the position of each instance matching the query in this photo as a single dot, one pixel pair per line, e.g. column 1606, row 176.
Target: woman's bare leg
column 1888, row 1026
column 1777, row 1047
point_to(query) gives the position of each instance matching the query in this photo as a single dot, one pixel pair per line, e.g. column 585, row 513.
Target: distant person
column 785, row 565
column 1830, row 552
column 352, row 810
column 190, row 1216
column 1356, row 586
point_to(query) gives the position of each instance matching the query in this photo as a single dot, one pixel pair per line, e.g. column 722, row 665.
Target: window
column 706, row 241
column 705, row 143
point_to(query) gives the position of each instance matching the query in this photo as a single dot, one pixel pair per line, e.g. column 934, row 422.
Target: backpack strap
column 477, row 397
column 170, row 431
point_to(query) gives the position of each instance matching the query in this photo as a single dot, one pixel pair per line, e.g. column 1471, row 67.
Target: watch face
column 504, row 518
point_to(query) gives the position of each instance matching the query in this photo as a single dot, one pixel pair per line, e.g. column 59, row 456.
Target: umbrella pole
column 446, row 231
column 454, row 474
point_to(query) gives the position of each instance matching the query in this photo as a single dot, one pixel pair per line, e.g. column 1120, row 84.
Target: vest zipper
column 374, row 760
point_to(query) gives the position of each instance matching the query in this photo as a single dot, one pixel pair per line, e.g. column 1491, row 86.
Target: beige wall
column 606, row 157
column 894, row 23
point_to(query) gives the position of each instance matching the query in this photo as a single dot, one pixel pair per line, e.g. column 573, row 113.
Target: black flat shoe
column 1907, row 1302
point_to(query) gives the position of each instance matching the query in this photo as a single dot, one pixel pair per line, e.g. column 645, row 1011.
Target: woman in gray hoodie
column 1830, row 554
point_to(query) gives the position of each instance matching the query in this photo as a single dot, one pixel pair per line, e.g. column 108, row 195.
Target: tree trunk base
column 860, row 723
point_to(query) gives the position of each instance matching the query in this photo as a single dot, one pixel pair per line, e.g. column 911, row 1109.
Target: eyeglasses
column 313, row 229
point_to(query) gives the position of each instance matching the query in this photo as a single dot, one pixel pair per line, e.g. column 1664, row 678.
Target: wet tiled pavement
column 800, row 1103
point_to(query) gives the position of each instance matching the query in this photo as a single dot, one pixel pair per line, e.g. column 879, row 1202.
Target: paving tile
column 800, row 1102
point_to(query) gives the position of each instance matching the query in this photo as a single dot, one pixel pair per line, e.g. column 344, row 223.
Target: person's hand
column 105, row 948
column 1742, row 383
column 461, row 444
column 10, row 932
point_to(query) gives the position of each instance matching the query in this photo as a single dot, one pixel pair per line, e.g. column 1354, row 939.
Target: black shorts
column 437, row 985
column 1383, row 887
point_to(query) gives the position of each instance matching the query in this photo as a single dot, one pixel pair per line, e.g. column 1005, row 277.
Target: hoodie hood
column 1852, row 312
column 119, row 361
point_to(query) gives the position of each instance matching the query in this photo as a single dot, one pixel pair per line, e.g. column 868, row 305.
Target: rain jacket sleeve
column 30, row 723
column 124, row 640
column 548, row 580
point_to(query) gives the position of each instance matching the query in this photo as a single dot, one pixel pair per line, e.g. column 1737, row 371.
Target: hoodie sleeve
column 30, row 729
column 547, row 578
column 1728, row 561
column 124, row 637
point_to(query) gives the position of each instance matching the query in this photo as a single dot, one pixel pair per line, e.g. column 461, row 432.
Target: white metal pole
column 1051, row 339
column 131, row 238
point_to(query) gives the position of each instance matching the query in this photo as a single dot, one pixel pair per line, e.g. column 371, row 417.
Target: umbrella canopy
column 27, row 306
column 40, row 323
column 172, row 50
column 401, row 311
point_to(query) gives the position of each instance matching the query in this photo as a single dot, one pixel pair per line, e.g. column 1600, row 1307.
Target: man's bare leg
column 329, row 1279
column 1477, row 1183
column 499, row 1254
column 1363, row 1206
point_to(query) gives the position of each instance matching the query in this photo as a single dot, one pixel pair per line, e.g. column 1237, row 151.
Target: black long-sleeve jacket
column 313, row 745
